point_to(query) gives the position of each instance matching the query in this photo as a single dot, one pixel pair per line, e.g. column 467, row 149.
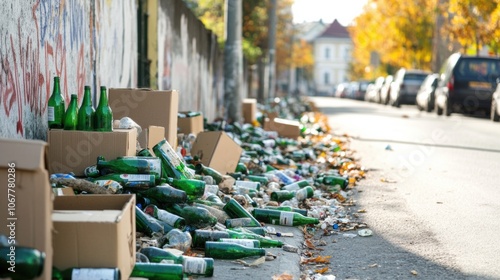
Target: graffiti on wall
column 183, row 63
column 53, row 38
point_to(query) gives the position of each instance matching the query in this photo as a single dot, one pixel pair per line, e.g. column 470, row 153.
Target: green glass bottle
column 190, row 265
column 200, row 236
column 218, row 213
column 238, row 222
column 218, row 205
column 158, row 271
column 235, row 210
column 130, row 181
column 86, row 112
column 79, row 273
column 241, row 167
column 144, row 153
column 130, row 165
column 331, row 180
column 172, row 164
column 146, row 223
column 163, row 215
column 195, row 216
column 300, row 195
column 205, row 170
column 165, row 194
column 71, row 115
column 296, row 185
column 265, row 242
column 56, row 107
column 27, row 262
column 103, row 113
column 252, row 243
column 289, row 209
column 92, row 171
column 283, row 218
column 193, row 188
column 257, row 178
column 230, row 251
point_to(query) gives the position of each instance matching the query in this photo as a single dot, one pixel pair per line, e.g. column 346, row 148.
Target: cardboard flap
column 26, row 154
column 110, row 216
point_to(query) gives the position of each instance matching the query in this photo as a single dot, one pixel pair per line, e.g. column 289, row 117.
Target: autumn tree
column 400, row 32
column 474, row 23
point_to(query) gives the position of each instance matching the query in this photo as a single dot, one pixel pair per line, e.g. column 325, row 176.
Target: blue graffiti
column 77, row 22
column 48, row 20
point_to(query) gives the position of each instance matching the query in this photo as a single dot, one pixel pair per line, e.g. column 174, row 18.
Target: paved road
column 432, row 196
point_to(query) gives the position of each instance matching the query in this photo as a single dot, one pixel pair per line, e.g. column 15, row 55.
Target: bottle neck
column 103, row 101
column 86, row 97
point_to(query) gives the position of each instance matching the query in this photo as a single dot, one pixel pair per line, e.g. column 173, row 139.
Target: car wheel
column 428, row 106
column 494, row 113
column 447, row 109
column 439, row 110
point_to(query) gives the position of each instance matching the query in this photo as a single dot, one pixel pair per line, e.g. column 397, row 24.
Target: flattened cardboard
column 33, row 196
column 73, row 151
column 95, row 231
column 151, row 136
column 285, row 128
column 189, row 125
column 249, row 110
column 217, row 150
column 147, row 107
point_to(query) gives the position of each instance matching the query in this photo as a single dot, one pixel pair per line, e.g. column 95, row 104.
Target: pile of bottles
column 82, row 118
column 181, row 203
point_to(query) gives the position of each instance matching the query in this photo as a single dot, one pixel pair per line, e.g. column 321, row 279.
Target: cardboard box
column 217, row 150
column 27, row 194
column 151, row 136
column 73, row 151
column 147, row 107
column 285, row 128
column 249, row 110
column 94, row 231
column 189, row 125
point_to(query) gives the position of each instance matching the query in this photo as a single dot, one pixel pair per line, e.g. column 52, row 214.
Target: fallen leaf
column 309, row 244
column 414, row 272
column 284, row 276
column 361, row 211
column 321, row 270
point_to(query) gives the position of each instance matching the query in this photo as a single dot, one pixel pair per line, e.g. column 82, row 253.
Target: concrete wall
column 189, row 60
column 84, row 42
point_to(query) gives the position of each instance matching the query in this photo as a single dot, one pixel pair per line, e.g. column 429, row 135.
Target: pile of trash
column 188, row 213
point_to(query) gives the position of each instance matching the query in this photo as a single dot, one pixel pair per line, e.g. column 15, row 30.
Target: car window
column 468, row 68
column 414, row 77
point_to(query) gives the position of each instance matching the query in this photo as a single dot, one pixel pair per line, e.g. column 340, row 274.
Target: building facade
column 332, row 55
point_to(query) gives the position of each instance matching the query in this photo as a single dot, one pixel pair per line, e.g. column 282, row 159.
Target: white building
column 332, row 55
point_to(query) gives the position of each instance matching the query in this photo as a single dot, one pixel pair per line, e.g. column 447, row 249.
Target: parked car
column 357, row 90
column 425, row 94
column 383, row 97
column 405, row 86
column 373, row 90
column 341, row 90
column 466, row 84
column 495, row 104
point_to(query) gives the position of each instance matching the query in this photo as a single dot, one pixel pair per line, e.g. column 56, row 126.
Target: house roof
column 335, row 30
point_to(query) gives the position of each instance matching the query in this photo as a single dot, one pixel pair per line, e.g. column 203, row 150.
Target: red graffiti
column 80, row 73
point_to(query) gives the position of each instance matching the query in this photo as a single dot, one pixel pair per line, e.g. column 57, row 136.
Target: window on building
column 347, row 54
column 327, row 53
column 326, row 78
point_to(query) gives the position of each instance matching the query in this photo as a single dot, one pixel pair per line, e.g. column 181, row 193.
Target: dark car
column 466, row 84
column 406, row 84
column 425, row 95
